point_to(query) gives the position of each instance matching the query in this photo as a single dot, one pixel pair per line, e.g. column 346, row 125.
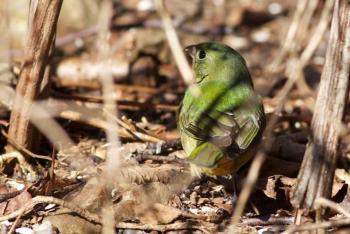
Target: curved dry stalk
column 291, row 34
column 305, row 22
column 248, row 187
column 311, row 47
column 323, row 202
column 24, row 150
column 174, row 43
column 176, row 47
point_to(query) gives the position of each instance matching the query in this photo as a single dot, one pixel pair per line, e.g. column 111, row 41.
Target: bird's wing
column 235, row 129
column 231, row 132
column 218, row 128
column 251, row 122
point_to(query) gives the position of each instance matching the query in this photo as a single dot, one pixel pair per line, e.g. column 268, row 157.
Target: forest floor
column 151, row 192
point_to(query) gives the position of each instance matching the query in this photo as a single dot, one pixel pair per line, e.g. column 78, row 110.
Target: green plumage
column 220, row 128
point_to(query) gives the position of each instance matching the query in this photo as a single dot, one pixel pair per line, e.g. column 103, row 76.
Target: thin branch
column 321, row 225
column 121, row 104
column 22, row 149
column 323, row 202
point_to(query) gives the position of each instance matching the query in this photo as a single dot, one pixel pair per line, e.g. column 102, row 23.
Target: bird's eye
column 201, row 54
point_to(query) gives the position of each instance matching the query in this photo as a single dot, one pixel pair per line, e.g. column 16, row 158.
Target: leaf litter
column 152, row 190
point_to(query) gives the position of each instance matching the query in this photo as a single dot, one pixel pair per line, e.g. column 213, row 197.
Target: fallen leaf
column 158, row 214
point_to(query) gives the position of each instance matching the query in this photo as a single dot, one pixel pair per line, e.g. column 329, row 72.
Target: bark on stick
column 316, row 175
column 40, row 38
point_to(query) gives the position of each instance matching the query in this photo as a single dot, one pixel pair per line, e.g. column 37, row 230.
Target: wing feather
column 224, row 129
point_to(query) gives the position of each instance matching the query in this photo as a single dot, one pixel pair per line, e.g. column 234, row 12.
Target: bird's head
column 212, row 60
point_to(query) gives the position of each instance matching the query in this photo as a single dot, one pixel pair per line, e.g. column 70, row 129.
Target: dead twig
column 205, row 227
column 8, row 195
column 144, row 157
column 25, row 166
column 323, row 202
column 99, row 122
column 46, row 199
column 321, row 225
column 122, row 104
column 266, row 221
column 133, row 129
column 163, row 147
column 296, row 72
column 14, row 225
column 94, row 84
column 22, row 149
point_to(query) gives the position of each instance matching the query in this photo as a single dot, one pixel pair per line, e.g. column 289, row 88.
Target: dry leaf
column 157, row 214
column 71, row 224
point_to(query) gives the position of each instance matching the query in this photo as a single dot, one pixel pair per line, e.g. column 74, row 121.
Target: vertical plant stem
column 316, row 175
column 39, row 41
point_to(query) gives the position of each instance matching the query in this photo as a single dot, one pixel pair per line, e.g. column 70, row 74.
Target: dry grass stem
column 175, row 46
column 312, row 45
column 107, row 82
column 248, row 187
column 109, row 106
column 292, row 32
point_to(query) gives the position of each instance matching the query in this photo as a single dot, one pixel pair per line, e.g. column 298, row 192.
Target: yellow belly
column 225, row 166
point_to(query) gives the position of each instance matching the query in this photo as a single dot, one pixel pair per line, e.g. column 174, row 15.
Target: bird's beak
column 190, row 52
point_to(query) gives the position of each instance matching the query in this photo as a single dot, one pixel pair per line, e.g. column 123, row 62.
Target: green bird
column 220, row 129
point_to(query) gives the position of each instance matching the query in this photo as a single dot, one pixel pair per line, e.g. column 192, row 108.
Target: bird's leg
column 230, row 184
column 234, row 198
